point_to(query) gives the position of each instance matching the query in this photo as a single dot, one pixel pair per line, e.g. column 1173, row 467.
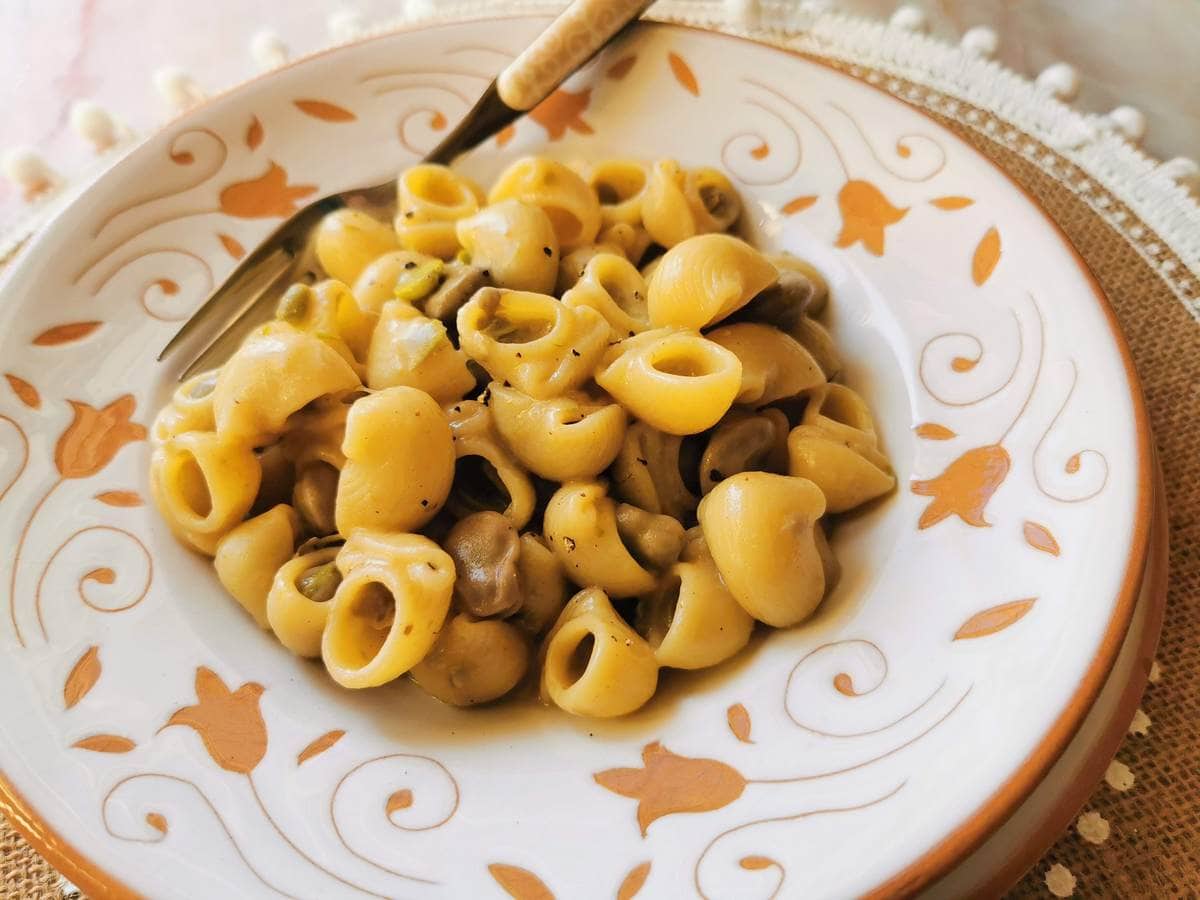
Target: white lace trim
column 1116, row 175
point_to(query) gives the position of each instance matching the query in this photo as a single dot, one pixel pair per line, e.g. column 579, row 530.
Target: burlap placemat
column 1139, row 834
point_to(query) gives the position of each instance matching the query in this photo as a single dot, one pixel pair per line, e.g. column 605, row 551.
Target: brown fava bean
column 473, row 661
column 782, row 304
column 654, row 540
column 749, row 443
column 485, row 548
column 315, row 497
column 459, row 283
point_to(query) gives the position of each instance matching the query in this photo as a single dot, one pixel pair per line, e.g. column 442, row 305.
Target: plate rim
column 977, row 825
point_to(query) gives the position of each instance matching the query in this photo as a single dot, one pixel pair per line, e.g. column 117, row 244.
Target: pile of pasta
column 570, row 430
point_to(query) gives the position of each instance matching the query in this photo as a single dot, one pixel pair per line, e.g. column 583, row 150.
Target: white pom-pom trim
column 177, row 87
column 1060, row 79
column 1130, row 121
column 909, row 17
column 93, row 123
column 416, row 10
column 981, row 41
column 1183, row 170
column 743, row 12
column 268, row 50
column 28, row 171
column 344, row 24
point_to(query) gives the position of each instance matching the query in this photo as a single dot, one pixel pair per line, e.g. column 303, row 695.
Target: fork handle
column 570, row 40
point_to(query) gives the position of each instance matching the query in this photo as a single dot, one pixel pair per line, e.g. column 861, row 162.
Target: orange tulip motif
column 668, row 783
column 866, row 212
column 562, row 110
column 965, row 488
column 95, row 436
column 265, row 197
column 229, row 722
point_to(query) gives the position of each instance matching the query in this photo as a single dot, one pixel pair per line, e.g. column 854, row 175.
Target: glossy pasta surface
column 544, row 439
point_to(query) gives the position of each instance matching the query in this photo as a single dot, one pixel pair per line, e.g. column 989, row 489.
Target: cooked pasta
column 398, row 444
column 413, row 350
column 648, row 472
column 759, row 530
column 612, row 285
column 247, row 557
column 532, row 340
column 676, row 380
column 203, row 485
column 691, row 620
column 579, row 382
column 515, row 242
column 571, row 206
column 276, row 372
column 348, row 240
column 570, row 438
column 596, row 665
column 430, row 199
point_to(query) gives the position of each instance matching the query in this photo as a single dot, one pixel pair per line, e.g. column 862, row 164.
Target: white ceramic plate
column 154, row 741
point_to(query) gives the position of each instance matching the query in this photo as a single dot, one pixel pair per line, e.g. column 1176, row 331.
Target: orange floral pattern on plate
column 266, row 197
column 83, row 677
column 561, row 111
column 229, row 722
column 993, row 619
column 965, row 488
column 668, row 783
column 866, row 212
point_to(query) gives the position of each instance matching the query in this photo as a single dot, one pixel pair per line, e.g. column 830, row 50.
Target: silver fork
column 242, row 301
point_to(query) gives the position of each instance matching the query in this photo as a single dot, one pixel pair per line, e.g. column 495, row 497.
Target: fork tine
column 229, row 336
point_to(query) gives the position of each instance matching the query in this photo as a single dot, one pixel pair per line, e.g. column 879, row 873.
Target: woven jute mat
column 1139, row 834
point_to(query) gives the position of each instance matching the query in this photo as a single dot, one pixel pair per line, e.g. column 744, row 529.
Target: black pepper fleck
column 410, row 265
column 569, row 543
column 715, row 475
column 643, row 461
column 574, row 352
column 519, row 356
column 431, row 565
column 424, row 502
column 547, row 251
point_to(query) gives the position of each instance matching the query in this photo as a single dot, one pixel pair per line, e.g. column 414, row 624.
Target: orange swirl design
column 732, row 164
column 795, row 779
column 24, row 456
column 779, row 95
column 1074, row 462
column 158, row 824
column 753, row 863
column 968, row 364
column 846, row 685
column 166, row 286
column 903, row 150
column 409, row 797
column 179, row 154
column 103, row 575
column 435, row 115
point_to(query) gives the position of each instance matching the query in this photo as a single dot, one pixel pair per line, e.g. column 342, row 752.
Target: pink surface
column 53, row 52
